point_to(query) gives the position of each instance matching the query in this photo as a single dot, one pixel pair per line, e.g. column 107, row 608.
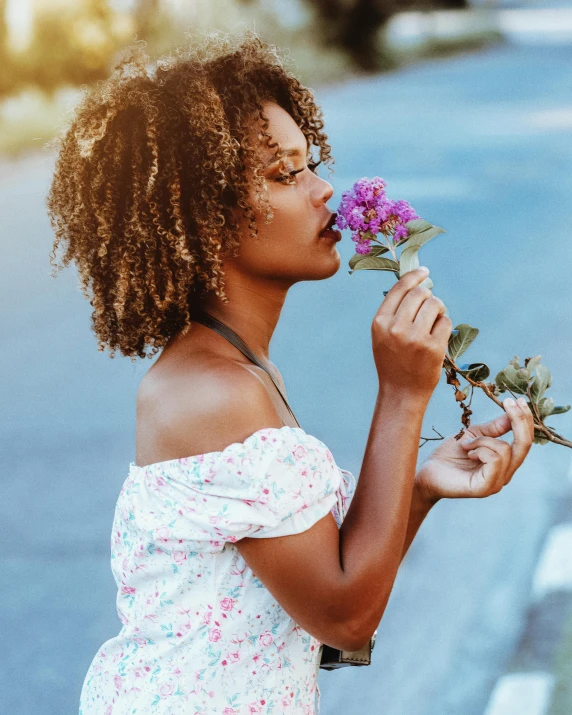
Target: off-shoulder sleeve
column 279, row 481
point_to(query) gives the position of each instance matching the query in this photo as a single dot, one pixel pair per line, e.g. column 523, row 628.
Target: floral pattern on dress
column 201, row 634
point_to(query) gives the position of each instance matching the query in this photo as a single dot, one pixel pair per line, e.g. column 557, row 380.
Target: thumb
column 494, row 428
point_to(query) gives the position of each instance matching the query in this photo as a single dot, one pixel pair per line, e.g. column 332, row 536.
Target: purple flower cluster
column 365, row 209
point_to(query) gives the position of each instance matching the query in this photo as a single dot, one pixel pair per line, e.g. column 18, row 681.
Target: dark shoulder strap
column 238, row 342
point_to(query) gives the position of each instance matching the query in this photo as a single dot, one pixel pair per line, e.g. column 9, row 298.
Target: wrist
column 400, row 399
column 420, row 500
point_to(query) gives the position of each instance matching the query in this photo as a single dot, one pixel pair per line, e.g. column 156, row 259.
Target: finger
column 493, row 428
column 484, row 454
column 489, row 481
column 409, row 307
column 521, row 431
column 498, row 446
column 522, row 403
column 442, row 329
column 400, row 289
column 502, row 424
column 428, row 313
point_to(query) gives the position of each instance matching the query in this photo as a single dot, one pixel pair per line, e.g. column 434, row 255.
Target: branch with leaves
column 381, row 225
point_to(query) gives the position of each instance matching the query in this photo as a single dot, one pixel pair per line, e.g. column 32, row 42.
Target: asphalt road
column 479, row 144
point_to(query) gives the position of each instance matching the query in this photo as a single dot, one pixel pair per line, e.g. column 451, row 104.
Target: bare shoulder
column 199, row 406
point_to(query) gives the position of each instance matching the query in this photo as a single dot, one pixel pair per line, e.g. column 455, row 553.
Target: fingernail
column 509, row 402
column 424, row 269
column 522, row 402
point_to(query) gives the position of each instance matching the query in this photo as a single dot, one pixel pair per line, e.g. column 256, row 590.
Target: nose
column 323, row 191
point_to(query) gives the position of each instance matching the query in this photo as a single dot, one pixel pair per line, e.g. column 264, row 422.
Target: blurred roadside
column 48, row 50
column 562, row 670
column 538, row 678
column 41, row 84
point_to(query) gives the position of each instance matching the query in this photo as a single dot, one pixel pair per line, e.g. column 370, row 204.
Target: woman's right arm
column 336, row 583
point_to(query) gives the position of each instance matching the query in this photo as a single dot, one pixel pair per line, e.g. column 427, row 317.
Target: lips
column 330, row 223
column 329, row 231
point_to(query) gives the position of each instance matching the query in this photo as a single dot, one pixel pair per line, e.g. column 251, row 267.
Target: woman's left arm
column 478, row 465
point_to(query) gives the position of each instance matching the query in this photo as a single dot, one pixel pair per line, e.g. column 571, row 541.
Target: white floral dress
column 201, row 634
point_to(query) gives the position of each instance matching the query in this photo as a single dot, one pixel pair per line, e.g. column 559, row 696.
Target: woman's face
column 289, row 247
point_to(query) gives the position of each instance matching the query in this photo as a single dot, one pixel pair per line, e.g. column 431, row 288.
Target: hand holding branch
column 482, row 463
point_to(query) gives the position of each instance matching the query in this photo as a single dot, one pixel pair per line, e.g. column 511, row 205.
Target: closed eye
column 285, row 179
column 291, row 174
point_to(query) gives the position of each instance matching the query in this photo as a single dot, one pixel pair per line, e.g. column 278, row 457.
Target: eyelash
column 292, row 174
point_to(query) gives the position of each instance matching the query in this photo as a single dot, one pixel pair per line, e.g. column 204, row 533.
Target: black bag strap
column 222, row 329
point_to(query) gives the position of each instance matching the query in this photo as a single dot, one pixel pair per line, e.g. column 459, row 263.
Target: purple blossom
column 363, row 247
column 366, row 207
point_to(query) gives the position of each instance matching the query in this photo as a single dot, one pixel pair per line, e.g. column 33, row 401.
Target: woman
column 239, row 547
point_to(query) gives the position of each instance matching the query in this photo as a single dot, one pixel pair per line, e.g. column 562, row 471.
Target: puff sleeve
column 279, row 481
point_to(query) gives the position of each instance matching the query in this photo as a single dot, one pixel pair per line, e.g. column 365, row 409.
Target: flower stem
column 388, row 244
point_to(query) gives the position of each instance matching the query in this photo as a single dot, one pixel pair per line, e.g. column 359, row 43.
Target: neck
column 253, row 309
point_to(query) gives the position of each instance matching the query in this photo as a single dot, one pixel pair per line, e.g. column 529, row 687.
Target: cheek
column 291, row 210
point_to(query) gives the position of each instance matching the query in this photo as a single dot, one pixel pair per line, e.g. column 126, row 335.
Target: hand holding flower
column 380, row 226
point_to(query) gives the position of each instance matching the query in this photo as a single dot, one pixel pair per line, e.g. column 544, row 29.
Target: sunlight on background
column 49, row 48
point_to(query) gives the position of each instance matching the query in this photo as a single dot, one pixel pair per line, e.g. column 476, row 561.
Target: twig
column 548, row 432
column 536, row 412
column 472, row 393
column 432, row 439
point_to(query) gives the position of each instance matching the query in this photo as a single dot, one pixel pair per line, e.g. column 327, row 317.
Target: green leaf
column 509, row 379
column 459, row 342
column 417, row 225
column 354, row 259
column 515, row 362
column 560, row 409
column 466, row 390
column 533, row 363
column 376, row 264
column 545, row 406
column 542, row 381
column 374, row 251
column 418, row 233
column 539, row 437
column 377, row 250
column 477, row 371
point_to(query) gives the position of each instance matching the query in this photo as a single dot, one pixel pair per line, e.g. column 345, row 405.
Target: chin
column 332, row 267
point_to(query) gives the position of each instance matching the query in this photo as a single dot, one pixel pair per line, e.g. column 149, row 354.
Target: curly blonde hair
column 149, row 174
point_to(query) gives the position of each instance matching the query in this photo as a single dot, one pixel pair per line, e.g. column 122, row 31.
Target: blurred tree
column 70, row 45
column 158, row 25
column 146, row 15
column 7, row 69
column 355, row 25
column 3, row 29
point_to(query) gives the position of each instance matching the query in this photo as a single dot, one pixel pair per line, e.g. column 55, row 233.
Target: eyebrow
column 287, row 152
